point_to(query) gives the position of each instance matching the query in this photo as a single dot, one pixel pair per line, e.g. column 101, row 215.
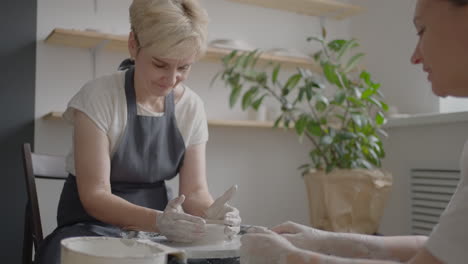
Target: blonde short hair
column 170, row 28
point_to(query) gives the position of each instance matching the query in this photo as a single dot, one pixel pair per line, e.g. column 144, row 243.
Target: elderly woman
column 442, row 26
column 137, row 128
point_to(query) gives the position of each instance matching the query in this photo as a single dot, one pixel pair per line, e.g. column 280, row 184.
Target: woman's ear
column 132, row 45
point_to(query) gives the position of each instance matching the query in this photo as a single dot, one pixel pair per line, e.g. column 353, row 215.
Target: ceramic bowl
column 106, row 250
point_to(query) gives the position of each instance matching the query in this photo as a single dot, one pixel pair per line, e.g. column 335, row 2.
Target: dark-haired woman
column 442, row 50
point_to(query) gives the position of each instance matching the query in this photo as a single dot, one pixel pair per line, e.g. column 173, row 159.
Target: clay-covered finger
column 226, row 197
column 188, row 218
column 285, row 228
column 176, row 202
column 230, row 220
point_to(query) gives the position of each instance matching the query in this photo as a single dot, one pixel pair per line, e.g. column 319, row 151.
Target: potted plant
column 340, row 112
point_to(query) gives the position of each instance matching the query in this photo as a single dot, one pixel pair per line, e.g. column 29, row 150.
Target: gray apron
column 151, row 150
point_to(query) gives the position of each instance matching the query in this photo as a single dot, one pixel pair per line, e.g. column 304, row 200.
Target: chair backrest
column 37, row 166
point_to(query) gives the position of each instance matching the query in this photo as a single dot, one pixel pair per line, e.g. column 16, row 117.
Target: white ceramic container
column 107, row 250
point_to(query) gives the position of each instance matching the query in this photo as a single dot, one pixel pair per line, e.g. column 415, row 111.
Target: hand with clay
column 178, row 226
column 337, row 244
column 262, row 246
column 221, row 211
column 304, row 237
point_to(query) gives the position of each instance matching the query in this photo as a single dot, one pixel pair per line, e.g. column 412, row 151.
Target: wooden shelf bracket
column 94, row 50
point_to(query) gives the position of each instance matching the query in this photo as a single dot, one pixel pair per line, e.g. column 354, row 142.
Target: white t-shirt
column 449, row 240
column 103, row 100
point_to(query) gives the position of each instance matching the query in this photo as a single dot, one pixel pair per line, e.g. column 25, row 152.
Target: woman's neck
column 153, row 102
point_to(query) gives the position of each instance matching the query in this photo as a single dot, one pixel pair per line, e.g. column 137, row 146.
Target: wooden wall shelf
column 118, row 43
column 324, row 8
column 53, row 116
column 58, row 116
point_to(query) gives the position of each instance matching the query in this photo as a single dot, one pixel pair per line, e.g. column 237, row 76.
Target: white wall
column 263, row 162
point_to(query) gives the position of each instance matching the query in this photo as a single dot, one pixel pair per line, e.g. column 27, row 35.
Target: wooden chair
column 42, row 167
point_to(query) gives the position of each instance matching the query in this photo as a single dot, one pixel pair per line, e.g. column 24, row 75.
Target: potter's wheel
column 228, row 249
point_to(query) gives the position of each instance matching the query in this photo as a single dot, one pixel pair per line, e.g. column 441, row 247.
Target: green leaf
column 235, row 93
column 248, row 97
column 261, row 77
column 337, row 44
column 375, row 86
column 384, row 106
column 215, row 78
column 278, row 120
column 239, row 61
column 357, row 92
column 341, row 117
column 306, row 73
column 304, row 168
column 291, row 83
column 344, row 80
column 349, row 45
column 375, row 102
column 248, row 59
column 344, row 135
column 373, row 157
column 315, row 39
column 301, row 124
column 340, row 97
column 322, row 103
column 353, row 62
column 382, row 151
column 356, row 102
column 320, row 106
column 317, row 56
column 367, row 93
column 315, row 157
column 300, row 95
column 323, row 120
column 314, row 128
column 234, row 79
column 330, row 74
column 365, row 76
column 286, row 122
column 309, row 92
column 227, row 59
column 250, row 76
column 365, row 164
column 255, row 59
column 274, row 76
column 380, row 119
column 376, row 148
column 324, row 33
column 256, row 104
column 357, row 120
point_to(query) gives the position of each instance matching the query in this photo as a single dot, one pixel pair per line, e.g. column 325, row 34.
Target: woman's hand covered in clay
column 302, row 236
column 221, row 210
column 178, row 226
column 262, row 246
